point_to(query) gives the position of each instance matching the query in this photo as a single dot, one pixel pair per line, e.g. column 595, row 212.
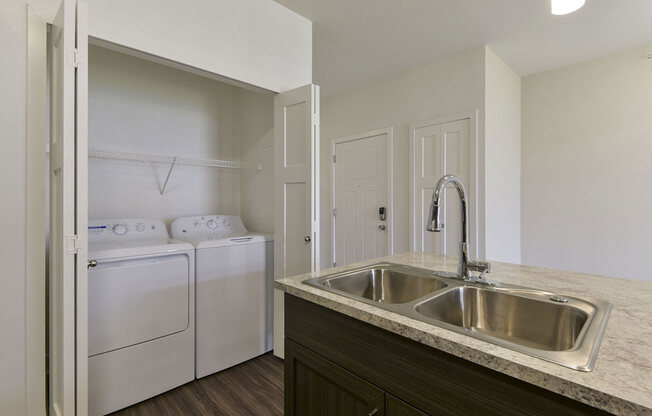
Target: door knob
column 306, row 239
column 92, row 263
column 381, row 227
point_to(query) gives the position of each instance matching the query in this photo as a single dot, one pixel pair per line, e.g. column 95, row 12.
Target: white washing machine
column 141, row 313
column 234, row 290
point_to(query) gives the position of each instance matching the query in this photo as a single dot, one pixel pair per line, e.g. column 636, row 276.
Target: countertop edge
column 567, row 388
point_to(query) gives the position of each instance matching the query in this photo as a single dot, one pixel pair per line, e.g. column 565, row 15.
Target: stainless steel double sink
column 564, row 330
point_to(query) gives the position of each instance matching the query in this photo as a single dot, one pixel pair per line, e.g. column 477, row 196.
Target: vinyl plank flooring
column 253, row 388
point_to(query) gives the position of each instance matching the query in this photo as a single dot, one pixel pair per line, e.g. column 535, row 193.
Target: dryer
column 234, row 290
column 141, row 321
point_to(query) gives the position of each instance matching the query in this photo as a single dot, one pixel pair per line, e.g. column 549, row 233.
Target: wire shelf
column 142, row 157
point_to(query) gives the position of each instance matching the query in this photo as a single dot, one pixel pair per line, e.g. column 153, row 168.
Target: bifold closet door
column 296, row 190
column 438, row 150
column 68, row 212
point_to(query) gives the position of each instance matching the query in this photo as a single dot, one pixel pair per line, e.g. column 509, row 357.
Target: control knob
column 211, row 224
column 119, row 229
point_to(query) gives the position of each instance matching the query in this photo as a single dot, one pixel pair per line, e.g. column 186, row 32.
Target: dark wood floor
column 253, row 388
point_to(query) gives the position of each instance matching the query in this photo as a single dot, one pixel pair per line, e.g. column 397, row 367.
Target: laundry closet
column 208, row 126
column 174, row 154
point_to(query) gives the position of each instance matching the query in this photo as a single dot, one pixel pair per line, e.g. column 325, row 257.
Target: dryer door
column 134, row 300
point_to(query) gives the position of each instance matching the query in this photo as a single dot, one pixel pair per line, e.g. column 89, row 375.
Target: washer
column 234, row 290
column 141, row 312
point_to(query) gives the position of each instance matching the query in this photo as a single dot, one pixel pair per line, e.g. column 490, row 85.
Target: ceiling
column 360, row 41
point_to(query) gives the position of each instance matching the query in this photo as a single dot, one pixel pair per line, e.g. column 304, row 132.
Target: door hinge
column 315, row 119
column 73, row 57
column 334, row 159
column 334, row 212
column 73, row 244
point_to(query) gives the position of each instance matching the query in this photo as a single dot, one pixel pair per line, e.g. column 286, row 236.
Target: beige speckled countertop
column 621, row 382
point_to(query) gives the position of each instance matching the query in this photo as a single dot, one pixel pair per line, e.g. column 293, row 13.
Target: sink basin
column 384, row 283
column 564, row 330
column 531, row 320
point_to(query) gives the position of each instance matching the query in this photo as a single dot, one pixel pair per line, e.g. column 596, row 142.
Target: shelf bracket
column 167, row 178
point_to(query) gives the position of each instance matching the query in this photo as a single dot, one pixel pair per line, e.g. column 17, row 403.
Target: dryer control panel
column 126, row 229
column 207, row 227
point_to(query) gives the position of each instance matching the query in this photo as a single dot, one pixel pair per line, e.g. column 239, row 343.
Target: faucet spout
column 435, row 224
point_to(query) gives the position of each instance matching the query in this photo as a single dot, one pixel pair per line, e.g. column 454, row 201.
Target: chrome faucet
column 465, row 265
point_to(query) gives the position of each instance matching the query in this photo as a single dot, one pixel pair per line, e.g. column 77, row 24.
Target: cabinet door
column 397, row 407
column 315, row 386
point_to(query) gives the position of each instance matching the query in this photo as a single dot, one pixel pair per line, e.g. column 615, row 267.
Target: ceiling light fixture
column 561, row 7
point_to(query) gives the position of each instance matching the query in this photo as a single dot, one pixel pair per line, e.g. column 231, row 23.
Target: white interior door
column 296, row 191
column 362, row 184
column 438, row 150
column 68, row 211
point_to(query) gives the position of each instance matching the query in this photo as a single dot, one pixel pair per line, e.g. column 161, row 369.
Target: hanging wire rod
column 142, row 157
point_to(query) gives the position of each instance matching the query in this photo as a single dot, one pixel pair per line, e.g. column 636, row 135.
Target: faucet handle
column 482, row 267
column 479, row 266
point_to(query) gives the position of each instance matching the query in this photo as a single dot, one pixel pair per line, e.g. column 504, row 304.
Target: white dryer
column 234, row 290
column 141, row 321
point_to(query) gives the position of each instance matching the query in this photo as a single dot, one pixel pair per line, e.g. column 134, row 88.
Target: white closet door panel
column 68, row 205
column 438, row 150
column 296, row 191
column 296, row 179
column 455, row 138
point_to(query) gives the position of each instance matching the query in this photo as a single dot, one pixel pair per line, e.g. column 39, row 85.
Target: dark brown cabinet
column 316, row 387
column 397, row 407
column 336, row 365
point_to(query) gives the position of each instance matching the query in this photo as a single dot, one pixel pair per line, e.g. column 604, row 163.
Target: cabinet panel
column 397, row 407
column 437, row 382
column 314, row 386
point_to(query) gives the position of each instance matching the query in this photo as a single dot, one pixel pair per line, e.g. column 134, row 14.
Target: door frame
column 475, row 187
column 389, row 131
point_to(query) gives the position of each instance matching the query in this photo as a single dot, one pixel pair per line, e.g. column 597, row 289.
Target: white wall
column 587, row 141
column 502, row 160
column 258, row 42
column 139, row 106
column 449, row 86
column 257, row 148
column 13, row 104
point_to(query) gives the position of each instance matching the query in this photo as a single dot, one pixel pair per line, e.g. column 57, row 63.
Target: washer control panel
column 126, row 229
column 207, row 227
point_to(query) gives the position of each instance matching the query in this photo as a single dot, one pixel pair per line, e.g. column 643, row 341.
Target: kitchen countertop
column 621, row 382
